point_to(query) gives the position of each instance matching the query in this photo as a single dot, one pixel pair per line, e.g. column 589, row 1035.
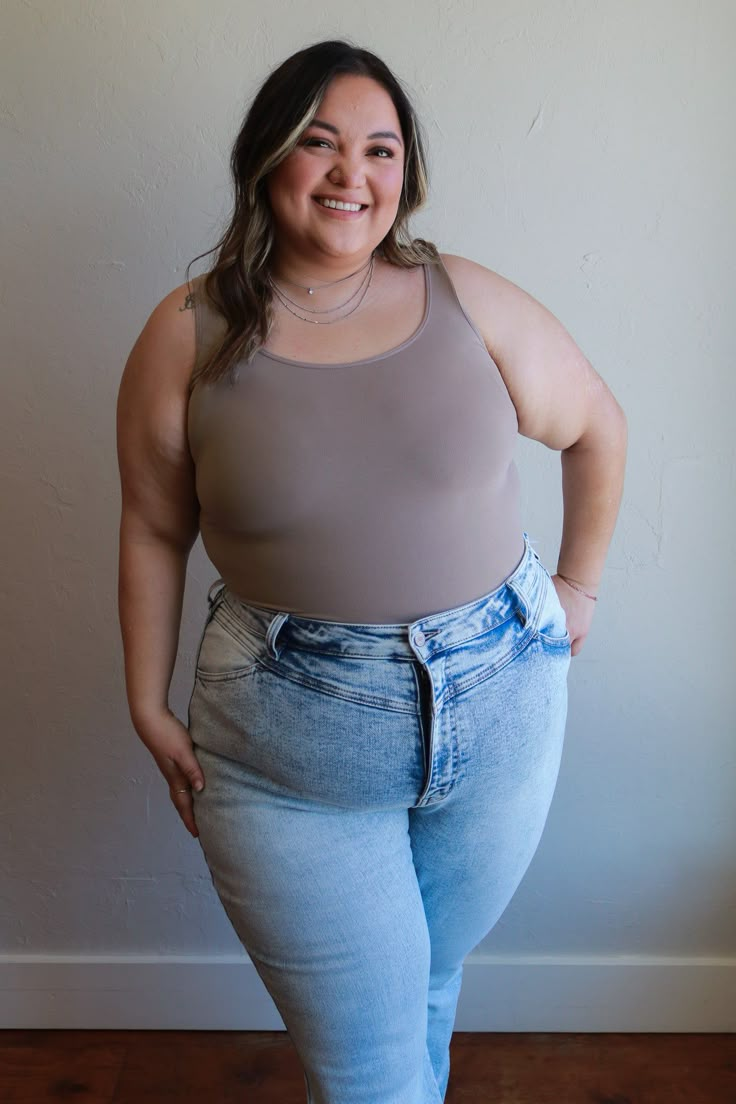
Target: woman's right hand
column 171, row 746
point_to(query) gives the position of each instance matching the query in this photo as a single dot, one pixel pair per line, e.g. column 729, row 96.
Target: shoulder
column 165, row 349
column 154, row 388
column 496, row 304
column 171, row 323
column 155, row 462
column 549, row 378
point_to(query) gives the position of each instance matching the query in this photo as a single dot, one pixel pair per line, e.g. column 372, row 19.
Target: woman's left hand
column 579, row 612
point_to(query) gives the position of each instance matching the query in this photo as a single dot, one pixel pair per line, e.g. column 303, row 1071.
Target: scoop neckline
column 366, row 360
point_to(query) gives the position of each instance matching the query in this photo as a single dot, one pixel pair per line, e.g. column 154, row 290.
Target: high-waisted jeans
column 373, row 796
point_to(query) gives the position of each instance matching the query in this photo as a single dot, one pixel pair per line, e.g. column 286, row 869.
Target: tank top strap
column 446, row 293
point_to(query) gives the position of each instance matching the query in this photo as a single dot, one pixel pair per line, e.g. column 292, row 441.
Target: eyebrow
column 376, row 133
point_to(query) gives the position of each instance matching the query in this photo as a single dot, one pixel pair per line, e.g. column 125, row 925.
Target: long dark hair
column 237, row 284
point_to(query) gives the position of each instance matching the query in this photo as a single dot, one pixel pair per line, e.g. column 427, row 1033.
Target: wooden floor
column 230, row 1067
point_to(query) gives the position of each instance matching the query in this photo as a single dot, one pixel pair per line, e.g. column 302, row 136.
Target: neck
column 296, row 269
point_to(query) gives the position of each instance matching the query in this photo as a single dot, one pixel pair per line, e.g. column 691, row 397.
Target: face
column 353, row 152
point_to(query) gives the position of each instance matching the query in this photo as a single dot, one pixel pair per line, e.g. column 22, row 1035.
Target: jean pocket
column 552, row 626
column 229, row 648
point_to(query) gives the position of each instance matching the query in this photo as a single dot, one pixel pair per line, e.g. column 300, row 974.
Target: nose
column 348, row 171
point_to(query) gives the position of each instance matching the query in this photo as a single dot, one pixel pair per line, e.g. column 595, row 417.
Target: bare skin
column 562, row 402
column 559, row 398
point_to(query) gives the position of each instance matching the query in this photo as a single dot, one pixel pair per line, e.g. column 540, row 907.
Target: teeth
column 338, row 205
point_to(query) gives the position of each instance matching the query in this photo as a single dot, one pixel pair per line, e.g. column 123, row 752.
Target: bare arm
column 158, row 526
column 562, row 402
column 592, row 485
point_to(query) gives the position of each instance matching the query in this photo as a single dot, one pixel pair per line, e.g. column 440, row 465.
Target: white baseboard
column 533, row 993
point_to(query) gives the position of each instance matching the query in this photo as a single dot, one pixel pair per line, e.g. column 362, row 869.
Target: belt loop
column 279, row 619
column 530, row 547
column 212, row 601
column 524, row 607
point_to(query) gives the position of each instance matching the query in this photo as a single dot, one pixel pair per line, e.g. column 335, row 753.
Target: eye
column 378, row 149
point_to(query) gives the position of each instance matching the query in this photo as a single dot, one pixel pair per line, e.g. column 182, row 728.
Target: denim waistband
column 520, row 595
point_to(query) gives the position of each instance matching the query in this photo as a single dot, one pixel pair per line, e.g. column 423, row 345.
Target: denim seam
column 236, row 621
column 236, row 629
column 235, row 672
column 390, row 705
column 555, row 641
column 402, row 658
column 351, row 655
column 460, row 687
column 461, row 759
column 227, row 676
column 208, row 619
column 453, row 748
column 470, row 639
column 271, row 613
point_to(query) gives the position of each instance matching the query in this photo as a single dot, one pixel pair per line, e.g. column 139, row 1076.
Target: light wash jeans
column 374, row 795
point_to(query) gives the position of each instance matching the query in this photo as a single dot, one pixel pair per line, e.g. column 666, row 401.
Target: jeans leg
column 444, row 990
column 472, row 848
column 325, row 900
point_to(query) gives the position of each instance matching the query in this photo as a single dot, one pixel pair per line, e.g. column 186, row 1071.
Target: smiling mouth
column 341, row 210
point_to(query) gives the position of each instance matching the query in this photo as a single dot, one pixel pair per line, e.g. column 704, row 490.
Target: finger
column 183, row 774
column 186, row 764
column 189, row 765
column 182, row 799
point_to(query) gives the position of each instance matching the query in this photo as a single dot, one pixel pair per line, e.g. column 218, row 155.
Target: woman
column 381, row 689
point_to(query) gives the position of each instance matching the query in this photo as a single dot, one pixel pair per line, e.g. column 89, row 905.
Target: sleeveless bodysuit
column 381, row 490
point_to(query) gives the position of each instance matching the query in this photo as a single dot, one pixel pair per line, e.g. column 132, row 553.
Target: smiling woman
column 347, row 169
column 380, row 696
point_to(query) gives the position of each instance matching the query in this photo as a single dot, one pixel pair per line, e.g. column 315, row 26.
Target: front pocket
column 229, row 649
column 552, row 627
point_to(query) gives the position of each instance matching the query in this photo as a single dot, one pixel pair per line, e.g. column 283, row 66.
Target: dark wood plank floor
column 261, row 1067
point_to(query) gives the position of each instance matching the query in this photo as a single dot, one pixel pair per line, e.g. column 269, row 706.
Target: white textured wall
column 584, row 150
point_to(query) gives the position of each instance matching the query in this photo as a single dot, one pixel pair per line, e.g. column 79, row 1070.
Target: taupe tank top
column 381, row 490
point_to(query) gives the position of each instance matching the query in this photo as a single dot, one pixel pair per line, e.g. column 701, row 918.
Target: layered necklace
column 362, row 286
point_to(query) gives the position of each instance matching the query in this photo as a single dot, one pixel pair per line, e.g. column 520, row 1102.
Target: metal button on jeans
column 419, row 638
